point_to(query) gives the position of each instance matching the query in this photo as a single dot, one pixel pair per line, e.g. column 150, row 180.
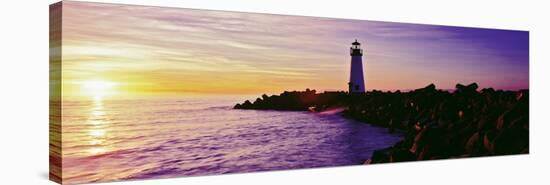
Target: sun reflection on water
column 97, row 127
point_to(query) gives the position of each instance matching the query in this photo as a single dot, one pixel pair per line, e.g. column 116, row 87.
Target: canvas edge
column 55, row 103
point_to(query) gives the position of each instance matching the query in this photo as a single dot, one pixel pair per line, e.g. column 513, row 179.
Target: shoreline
column 437, row 124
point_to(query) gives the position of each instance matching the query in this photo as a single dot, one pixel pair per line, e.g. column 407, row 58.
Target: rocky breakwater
column 297, row 101
column 442, row 124
column 438, row 124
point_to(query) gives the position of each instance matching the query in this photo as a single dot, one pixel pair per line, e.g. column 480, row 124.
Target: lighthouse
column 356, row 82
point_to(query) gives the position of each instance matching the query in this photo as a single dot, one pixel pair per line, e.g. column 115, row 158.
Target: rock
column 429, row 88
column 471, row 88
column 473, row 144
column 488, row 141
column 401, row 155
column 508, row 142
column 381, row 156
column 487, row 90
column 247, row 104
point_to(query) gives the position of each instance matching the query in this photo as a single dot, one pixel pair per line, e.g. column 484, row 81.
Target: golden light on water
column 97, row 131
column 96, row 151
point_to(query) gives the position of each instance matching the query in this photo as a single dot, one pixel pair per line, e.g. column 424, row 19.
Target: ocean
column 106, row 140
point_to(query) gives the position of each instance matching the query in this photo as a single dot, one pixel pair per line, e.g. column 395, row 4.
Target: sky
column 143, row 50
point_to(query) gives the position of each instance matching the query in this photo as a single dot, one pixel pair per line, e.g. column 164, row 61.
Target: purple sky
column 155, row 49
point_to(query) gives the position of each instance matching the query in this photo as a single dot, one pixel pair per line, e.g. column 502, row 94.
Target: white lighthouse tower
column 356, row 82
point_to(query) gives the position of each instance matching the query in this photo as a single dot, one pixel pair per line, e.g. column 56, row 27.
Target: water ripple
column 169, row 138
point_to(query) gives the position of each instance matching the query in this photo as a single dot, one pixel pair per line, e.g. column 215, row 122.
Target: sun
column 98, row 88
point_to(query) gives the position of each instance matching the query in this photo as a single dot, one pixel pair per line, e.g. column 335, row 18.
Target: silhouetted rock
column 246, row 104
column 381, row 156
column 297, row 100
column 429, row 88
column 472, row 88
